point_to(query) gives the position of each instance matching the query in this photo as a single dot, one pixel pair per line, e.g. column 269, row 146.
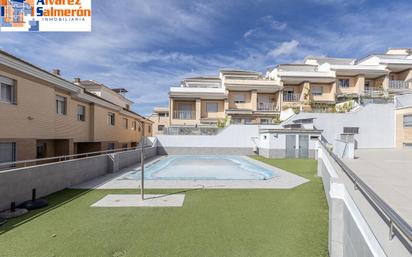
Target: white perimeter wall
column 376, row 124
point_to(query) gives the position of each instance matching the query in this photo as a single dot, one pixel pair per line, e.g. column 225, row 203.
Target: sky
column 148, row 46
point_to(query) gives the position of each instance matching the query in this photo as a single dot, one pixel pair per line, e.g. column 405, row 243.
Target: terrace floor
column 389, row 173
column 219, row 222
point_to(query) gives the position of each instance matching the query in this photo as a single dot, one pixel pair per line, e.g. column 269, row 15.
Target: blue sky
column 148, row 46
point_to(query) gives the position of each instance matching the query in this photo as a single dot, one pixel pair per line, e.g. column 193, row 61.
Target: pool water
column 203, row 167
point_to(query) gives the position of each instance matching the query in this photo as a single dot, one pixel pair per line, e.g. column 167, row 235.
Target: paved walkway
column 389, row 173
column 284, row 180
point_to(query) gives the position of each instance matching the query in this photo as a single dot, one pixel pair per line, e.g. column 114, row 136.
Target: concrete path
column 389, row 173
column 284, row 180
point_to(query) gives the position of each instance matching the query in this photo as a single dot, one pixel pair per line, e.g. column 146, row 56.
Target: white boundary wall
column 356, row 228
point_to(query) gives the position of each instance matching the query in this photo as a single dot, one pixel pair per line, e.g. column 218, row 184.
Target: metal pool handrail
column 393, row 217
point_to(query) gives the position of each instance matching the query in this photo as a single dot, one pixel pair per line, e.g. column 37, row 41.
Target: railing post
column 391, row 234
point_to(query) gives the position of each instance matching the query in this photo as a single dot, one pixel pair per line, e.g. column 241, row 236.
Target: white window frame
column 6, row 82
column 212, row 104
column 239, row 98
column 318, row 91
column 61, row 109
column 111, row 119
column 343, row 85
column 81, row 112
column 125, row 123
column 408, row 123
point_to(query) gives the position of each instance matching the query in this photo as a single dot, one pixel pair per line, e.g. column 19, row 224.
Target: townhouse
column 160, row 119
column 43, row 115
column 241, row 96
column 316, row 84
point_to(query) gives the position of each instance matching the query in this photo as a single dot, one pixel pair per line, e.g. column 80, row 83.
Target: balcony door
column 185, row 111
column 264, row 102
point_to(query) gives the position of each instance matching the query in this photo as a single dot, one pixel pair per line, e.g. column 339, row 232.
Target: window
column 407, row 145
column 239, row 98
column 317, row 90
column 111, row 119
column 110, row 146
column 163, row 114
column 314, row 137
column 343, row 83
column 265, row 121
column 61, row 105
column 7, row 90
column 160, row 127
column 211, row 107
column 7, row 152
column 125, row 146
column 139, row 129
column 149, row 129
column 351, row 130
column 81, row 113
column 407, row 120
column 134, row 125
column 41, row 150
column 125, row 123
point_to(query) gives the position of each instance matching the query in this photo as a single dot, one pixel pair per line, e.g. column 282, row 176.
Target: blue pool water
column 203, row 167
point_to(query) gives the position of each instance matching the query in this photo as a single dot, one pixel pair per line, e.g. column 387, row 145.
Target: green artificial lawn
column 218, row 223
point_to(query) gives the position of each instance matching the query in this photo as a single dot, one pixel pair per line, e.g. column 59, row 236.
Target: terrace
column 218, row 222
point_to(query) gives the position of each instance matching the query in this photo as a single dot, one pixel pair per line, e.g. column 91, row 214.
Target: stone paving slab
column 134, row 200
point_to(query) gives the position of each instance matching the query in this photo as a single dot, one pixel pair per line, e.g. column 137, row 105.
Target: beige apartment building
column 43, row 115
column 160, row 119
column 316, row 84
column 237, row 95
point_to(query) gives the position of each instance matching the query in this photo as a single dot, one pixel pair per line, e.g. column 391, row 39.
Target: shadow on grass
column 55, row 200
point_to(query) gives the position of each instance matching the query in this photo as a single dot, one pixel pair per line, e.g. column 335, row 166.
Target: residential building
column 403, row 121
column 241, row 96
column 44, row 115
column 160, row 119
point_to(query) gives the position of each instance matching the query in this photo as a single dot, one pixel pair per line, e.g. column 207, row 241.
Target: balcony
column 373, row 91
column 291, row 97
column 267, row 107
column 184, row 115
column 398, row 84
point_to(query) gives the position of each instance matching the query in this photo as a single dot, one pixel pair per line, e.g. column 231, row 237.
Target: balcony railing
column 291, row 97
column 373, row 91
column 398, row 84
column 184, row 115
column 266, row 107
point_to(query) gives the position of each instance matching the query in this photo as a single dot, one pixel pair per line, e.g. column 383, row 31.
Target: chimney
column 56, row 72
column 76, row 80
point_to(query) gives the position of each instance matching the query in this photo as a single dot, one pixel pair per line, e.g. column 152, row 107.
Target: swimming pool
column 195, row 167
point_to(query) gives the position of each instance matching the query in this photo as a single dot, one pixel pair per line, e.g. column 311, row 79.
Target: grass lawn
column 218, row 223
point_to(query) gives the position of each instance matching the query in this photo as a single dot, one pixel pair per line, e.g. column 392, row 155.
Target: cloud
column 265, row 25
column 284, row 48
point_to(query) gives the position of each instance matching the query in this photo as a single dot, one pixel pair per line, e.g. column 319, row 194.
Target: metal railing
column 26, row 163
column 398, row 84
column 184, row 115
column 267, row 107
column 394, row 219
column 373, row 91
column 291, row 97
